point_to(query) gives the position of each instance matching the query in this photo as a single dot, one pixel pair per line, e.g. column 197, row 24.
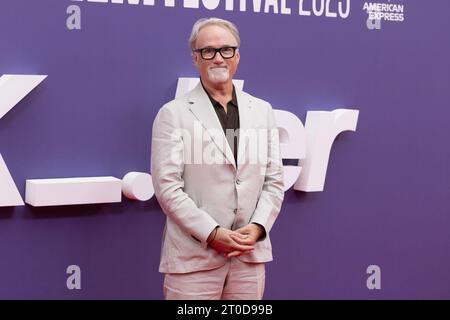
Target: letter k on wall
column 13, row 88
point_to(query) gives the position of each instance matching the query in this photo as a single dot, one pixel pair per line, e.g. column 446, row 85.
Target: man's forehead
column 215, row 33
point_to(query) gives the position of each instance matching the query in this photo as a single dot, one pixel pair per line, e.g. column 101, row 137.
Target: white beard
column 218, row 75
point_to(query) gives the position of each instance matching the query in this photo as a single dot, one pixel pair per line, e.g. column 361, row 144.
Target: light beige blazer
column 199, row 186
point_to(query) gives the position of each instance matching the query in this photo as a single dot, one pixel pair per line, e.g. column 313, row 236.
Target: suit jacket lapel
column 245, row 123
column 201, row 107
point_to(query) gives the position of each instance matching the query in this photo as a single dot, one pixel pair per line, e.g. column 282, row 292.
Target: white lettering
column 322, row 127
column 318, row 12
column 302, row 11
column 273, row 4
column 328, row 12
column 342, row 14
column 309, row 144
column 320, row 8
column 211, row 4
column 191, row 4
column 229, row 5
column 284, row 9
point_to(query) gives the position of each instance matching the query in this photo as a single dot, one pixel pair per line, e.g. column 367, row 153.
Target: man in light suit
column 217, row 174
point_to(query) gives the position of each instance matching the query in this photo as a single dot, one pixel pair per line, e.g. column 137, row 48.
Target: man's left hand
column 252, row 233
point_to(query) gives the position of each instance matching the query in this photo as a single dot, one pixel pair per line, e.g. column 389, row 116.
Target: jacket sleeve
column 272, row 194
column 167, row 164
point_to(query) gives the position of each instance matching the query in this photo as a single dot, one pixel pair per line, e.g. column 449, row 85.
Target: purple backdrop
column 387, row 187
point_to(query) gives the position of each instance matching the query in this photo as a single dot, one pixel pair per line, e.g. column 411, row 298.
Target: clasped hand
column 238, row 242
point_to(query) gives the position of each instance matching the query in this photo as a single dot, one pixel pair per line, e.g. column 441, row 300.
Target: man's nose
column 218, row 58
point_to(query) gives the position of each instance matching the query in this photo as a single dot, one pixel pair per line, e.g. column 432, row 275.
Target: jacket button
column 235, row 211
column 238, row 181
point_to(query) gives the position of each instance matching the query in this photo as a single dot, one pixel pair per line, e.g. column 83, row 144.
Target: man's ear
column 194, row 59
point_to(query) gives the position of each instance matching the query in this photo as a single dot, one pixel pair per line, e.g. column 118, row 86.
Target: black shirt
column 229, row 120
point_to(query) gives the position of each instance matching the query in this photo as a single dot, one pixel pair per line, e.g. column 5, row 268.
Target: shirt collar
column 233, row 100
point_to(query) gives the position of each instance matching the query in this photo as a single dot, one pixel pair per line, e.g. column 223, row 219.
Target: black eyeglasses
column 210, row 53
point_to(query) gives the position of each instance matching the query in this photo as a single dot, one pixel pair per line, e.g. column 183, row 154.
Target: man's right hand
column 224, row 243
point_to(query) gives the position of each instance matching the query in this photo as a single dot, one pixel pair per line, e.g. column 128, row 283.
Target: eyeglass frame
column 217, row 50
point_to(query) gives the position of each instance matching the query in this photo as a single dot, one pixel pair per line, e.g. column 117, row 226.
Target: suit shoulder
column 175, row 104
column 172, row 111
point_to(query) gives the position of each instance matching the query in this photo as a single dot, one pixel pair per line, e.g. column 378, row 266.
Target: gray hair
column 203, row 22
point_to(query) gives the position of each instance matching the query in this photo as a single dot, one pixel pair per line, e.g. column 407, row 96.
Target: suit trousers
column 235, row 280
